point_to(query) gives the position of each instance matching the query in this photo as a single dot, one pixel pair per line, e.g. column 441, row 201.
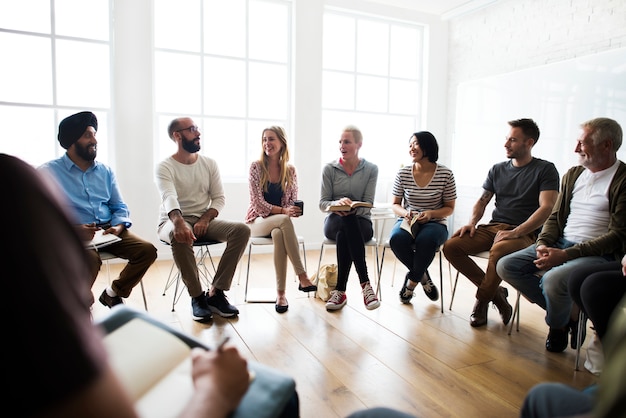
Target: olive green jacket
column 613, row 242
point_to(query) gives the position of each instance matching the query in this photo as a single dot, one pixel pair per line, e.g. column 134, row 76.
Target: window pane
column 25, row 15
column 221, row 139
column 225, row 28
column 371, row 94
column 268, row 92
column 177, row 24
column 339, row 42
column 177, row 83
column 372, row 48
column 225, row 87
column 29, row 77
column 269, row 30
column 39, row 147
column 405, row 50
column 404, row 97
column 78, row 19
column 337, row 90
column 82, row 74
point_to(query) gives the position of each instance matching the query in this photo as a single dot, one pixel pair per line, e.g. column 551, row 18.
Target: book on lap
column 346, row 208
column 153, row 362
column 101, row 240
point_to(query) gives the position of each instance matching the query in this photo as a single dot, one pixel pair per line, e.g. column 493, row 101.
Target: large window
column 55, row 62
column 226, row 64
column 372, row 78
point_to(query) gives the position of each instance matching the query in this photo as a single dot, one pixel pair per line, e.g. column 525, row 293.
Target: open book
column 345, row 208
column 100, row 239
column 153, row 363
column 410, row 226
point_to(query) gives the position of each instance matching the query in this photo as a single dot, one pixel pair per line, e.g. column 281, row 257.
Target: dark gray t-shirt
column 517, row 188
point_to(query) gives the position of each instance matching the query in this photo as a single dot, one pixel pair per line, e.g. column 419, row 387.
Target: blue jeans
column 550, row 290
column 417, row 254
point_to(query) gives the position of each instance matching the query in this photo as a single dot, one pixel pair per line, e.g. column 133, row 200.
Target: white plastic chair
column 259, row 241
column 380, row 272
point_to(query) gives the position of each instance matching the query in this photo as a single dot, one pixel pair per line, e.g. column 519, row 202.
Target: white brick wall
column 513, row 35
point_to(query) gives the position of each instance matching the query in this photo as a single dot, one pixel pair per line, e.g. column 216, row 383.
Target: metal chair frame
column 106, row 257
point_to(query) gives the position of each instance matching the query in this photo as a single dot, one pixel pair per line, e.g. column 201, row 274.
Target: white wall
column 525, row 36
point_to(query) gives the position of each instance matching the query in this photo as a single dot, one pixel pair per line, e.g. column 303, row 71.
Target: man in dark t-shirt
column 525, row 189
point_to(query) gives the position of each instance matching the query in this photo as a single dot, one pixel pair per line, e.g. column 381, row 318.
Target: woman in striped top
column 424, row 192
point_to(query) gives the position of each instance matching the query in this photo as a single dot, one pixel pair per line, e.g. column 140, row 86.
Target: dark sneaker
column 110, row 301
column 573, row 326
column 406, row 294
column 219, row 304
column 429, row 287
column 200, row 309
column 557, row 340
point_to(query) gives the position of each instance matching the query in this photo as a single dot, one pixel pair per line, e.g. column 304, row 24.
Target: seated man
column 66, row 358
column 525, row 189
column 191, row 199
column 96, row 202
column 587, row 227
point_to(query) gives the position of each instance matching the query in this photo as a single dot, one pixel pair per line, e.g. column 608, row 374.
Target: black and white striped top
column 442, row 188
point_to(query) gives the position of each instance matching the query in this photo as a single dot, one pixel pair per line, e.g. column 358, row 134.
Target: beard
column 190, row 146
column 88, row 152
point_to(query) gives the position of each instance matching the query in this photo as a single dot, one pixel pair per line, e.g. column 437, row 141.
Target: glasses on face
column 193, row 129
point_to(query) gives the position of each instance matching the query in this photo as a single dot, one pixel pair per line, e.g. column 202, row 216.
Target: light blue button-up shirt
column 93, row 195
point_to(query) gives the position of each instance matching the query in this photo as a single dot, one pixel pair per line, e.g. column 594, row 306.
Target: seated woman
column 424, row 194
column 273, row 185
column 597, row 290
column 349, row 179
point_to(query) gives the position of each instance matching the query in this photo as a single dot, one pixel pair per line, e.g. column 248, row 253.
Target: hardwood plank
column 410, row 357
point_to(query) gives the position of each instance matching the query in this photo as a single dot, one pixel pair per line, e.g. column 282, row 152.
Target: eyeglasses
column 193, row 129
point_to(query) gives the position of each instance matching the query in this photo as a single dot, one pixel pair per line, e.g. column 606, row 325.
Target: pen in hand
column 221, row 345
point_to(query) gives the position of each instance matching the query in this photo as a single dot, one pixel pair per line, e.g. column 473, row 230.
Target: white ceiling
column 444, row 8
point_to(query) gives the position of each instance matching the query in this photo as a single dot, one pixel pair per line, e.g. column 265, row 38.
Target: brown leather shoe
column 505, row 309
column 479, row 314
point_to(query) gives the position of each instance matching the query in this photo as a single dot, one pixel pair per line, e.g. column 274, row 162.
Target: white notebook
column 102, row 240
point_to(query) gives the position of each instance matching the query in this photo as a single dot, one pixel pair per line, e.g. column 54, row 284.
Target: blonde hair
column 356, row 133
column 285, row 175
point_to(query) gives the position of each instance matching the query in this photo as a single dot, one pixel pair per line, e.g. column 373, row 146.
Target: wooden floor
column 409, row 357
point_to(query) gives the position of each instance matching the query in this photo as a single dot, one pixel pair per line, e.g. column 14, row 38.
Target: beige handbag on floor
column 326, row 280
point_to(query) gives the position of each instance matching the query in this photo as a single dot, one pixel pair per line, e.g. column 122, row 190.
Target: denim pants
column 417, row 253
column 548, row 290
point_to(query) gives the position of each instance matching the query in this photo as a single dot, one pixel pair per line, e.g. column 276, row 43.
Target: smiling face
column 272, row 145
column 595, row 157
column 87, row 146
column 415, row 151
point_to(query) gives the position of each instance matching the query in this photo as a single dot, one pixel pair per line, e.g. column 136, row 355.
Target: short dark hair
column 528, row 127
column 428, row 144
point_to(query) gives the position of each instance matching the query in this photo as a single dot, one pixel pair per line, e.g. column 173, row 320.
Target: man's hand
column 465, row 229
column 221, row 378
column 548, row 257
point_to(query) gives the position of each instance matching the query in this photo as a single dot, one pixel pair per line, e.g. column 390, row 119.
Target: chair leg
column 515, row 313
column 456, row 280
column 245, row 292
column 143, row 293
column 441, row 279
column 380, row 274
column 582, row 319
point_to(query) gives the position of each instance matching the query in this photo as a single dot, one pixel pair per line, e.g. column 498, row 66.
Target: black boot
column 479, row 314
